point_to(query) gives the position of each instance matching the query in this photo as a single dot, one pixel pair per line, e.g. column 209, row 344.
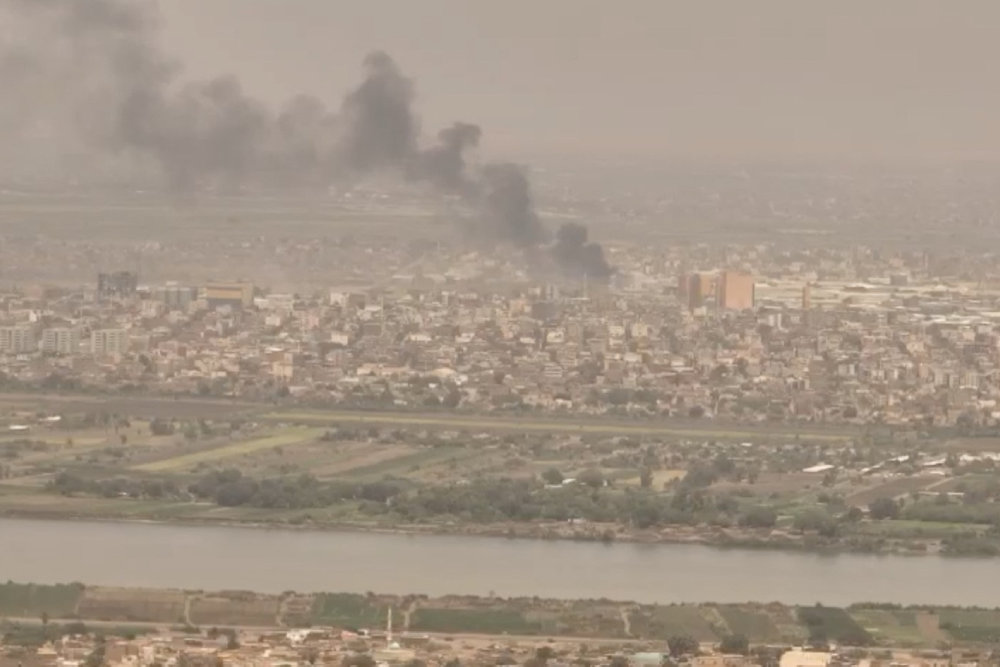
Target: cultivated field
column 284, row 437
column 772, row 624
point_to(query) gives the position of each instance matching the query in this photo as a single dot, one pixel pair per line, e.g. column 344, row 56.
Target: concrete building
column 108, row 341
column 117, row 285
column 17, row 340
column 799, row 658
column 236, row 295
column 175, row 296
column 735, row 291
column 61, row 340
column 700, row 289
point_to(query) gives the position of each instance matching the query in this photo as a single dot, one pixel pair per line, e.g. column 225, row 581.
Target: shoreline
column 507, row 618
column 527, row 532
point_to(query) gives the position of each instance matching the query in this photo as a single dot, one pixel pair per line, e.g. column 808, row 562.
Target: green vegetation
column 750, row 623
column 828, row 624
column 58, row 601
column 477, row 621
column 349, row 611
column 731, row 626
column 662, row 622
column 618, row 479
column 735, row 644
column 972, row 625
column 287, row 437
column 70, row 484
column 894, row 626
column 33, row 635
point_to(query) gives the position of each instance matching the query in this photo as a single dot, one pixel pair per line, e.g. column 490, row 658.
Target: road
column 685, row 428
column 252, row 629
column 193, row 408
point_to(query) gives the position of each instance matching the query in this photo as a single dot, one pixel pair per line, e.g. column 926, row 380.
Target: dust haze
column 91, row 78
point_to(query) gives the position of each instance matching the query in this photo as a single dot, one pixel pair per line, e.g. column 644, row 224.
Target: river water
column 275, row 560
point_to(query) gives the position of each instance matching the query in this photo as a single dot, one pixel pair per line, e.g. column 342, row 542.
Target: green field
column 833, row 624
column 401, row 465
column 474, row 621
column 892, row 626
column 350, row 611
column 286, row 437
column 661, row 622
column 771, row 624
column 750, row 623
column 58, row 601
column 904, row 528
column 972, row 625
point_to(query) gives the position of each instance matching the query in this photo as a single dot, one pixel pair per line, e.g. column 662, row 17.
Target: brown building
column 735, row 291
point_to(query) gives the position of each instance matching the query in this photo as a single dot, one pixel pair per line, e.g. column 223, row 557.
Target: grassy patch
column 402, row 465
column 757, row 626
column 903, row 528
column 284, row 438
column 972, row 625
column 58, row 601
column 31, row 635
column 888, row 626
column 485, row 621
column 348, row 610
column 239, row 610
column 833, row 624
column 661, row 622
column 126, row 604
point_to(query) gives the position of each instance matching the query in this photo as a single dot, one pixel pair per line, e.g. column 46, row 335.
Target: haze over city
column 896, row 80
column 308, row 308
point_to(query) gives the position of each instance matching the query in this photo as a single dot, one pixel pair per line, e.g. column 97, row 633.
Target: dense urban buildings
column 815, row 336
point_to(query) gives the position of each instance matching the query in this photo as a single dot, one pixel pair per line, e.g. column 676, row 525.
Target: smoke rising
column 379, row 128
column 577, row 256
column 507, row 204
column 87, row 76
column 444, row 164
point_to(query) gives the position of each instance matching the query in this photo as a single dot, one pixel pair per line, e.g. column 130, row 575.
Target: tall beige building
column 735, row 291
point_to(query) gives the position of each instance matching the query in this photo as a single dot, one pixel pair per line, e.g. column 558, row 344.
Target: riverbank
column 875, row 541
column 274, row 559
column 742, row 538
column 859, row 625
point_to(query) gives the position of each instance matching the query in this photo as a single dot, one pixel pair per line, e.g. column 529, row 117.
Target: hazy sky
column 896, row 79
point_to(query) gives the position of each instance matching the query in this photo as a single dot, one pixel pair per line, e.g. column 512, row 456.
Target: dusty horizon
column 772, row 80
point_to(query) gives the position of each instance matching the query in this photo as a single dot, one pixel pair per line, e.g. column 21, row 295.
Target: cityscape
column 829, row 337
column 550, row 334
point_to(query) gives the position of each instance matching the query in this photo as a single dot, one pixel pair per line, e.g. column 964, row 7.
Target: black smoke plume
column 507, row 205
column 87, row 74
column 443, row 164
column 578, row 257
column 379, row 128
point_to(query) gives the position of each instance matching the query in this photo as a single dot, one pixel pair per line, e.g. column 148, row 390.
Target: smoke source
column 87, row 76
column 578, row 257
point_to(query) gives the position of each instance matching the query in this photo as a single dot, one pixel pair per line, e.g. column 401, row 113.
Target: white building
column 799, row 658
column 17, row 340
column 61, row 340
column 105, row 342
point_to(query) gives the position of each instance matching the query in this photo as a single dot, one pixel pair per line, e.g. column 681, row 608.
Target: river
column 275, row 560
